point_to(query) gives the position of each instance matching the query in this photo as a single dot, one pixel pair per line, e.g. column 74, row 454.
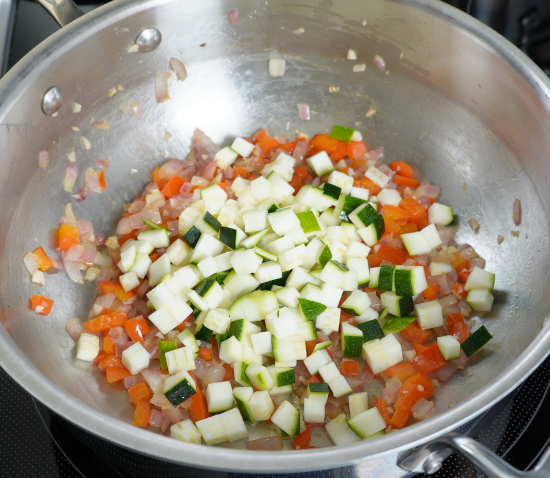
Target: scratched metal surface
column 468, row 113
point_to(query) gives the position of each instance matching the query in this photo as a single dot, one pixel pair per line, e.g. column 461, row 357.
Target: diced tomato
column 173, row 186
column 115, row 374
column 356, row 149
column 310, row 345
column 314, row 379
column 424, row 382
column 457, row 327
column 126, row 237
column 300, row 171
column 349, row 368
column 396, row 214
column 302, row 440
column 324, row 142
column 41, row 305
column 136, row 329
column 429, row 360
column 402, row 371
column 100, row 357
column 139, row 392
column 401, row 168
column 198, row 409
column 229, row 372
column 390, row 227
column 409, row 227
column 459, row 291
column 108, row 345
column 181, row 327
column 205, row 354
column 366, row 183
column 241, row 173
column 374, row 260
column 261, row 135
column 418, row 348
column 407, row 182
column 142, row 414
column 105, row 322
column 288, row 147
column 357, row 163
column 68, row 237
column 268, row 144
column 344, row 316
column 392, row 254
column 339, row 152
column 296, row 182
column 43, row 261
column 382, row 406
column 463, row 271
column 109, row 361
column 414, row 333
column 112, row 286
column 414, row 209
column 431, row 292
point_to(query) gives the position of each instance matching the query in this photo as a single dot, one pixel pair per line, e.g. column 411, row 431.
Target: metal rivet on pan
column 148, row 40
column 432, row 464
column 52, row 100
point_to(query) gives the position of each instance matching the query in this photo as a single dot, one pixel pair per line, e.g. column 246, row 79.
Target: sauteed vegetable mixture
column 301, row 283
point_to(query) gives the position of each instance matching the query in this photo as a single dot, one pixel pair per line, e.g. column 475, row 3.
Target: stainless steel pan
column 458, row 102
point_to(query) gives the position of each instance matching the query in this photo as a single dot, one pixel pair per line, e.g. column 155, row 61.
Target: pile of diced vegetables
column 301, row 283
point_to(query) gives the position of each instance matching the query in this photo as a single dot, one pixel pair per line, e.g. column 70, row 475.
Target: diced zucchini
column 475, row 342
column 339, row 386
column 281, row 324
column 188, row 340
column 228, row 236
column 397, row 305
column 253, row 240
column 242, row 396
column 233, row 424
column 416, row 243
column 308, row 223
column 254, row 306
column 156, row 237
column 397, row 324
column 308, row 195
column 287, row 418
column 432, row 236
column 282, row 375
column 386, row 278
column 217, row 320
column 439, row 268
column 352, row 340
column 178, row 252
column 317, row 360
column 322, row 345
column 314, row 410
column 310, row 309
column 364, row 216
column 480, row 300
column 283, row 166
column 329, row 218
column 283, row 220
column 329, row 320
column 264, row 254
column 268, row 271
column 329, row 371
column 260, row 188
column 480, row 279
column 158, row 269
column 449, row 347
column 410, row 280
column 179, row 387
column 307, row 330
column 334, row 273
column 293, row 258
column 261, row 406
column 430, row 314
column 367, row 423
column 240, row 285
column 206, row 246
column 242, row 330
column 243, row 147
column 128, row 258
column 371, row 330
column 262, row 343
column 377, row 176
column 389, row 196
column 297, row 235
column 165, row 346
column 317, row 391
column 440, row 214
column 287, row 296
column 219, row 397
column 192, row 236
column 214, row 198
column 320, row 163
column 87, row 347
column 358, row 403
column 341, row 180
column 339, row 431
column 345, row 134
column 225, row 157
column 361, row 266
column 381, row 354
column 210, row 291
column 374, row 277
column 360, row 193
column 259, row 377
column 346, row 205
column 212, row 430
column 278, row 282
column 186, row 431
column 180, row 359
column 231, row 351
column 245, row 262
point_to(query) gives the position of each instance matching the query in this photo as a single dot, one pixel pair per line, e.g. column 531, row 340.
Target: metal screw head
column 52, row 100
column 148, row 40
column 432, row 464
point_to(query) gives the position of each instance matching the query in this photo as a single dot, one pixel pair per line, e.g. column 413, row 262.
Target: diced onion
column 304, row 111
column 233, row 16
column 379, row 62
column 161, row 86
column 179, row 68
column 43, row 159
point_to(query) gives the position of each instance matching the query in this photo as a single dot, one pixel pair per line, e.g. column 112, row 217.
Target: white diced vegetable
column 377, row 176
column 231, row 350
column 217, row 320
column 135, row 358
column 180, row 359
column 87, row 347
column 186, row 431
column 243, row 147
column 219, row 397
column 430, row 314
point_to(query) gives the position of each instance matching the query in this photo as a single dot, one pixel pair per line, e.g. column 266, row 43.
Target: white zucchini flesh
column 440, row 214
column 480, row 300
column 233, row 424
column 212, row 430
column 339, row 431
column 367, row 423
column 358, row 403
column 314, row 410
column 87, row 347
column 287, row 418
column 261, row 406
column 135, row 358
column 219, row 397
column 430, row 314
column 261, row 343
column 480, row 279
column 186, row 431
column 317, row 360
column 449, row 347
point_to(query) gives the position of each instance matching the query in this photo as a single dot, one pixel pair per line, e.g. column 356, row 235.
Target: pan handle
column 429, row 458
column 62, row 11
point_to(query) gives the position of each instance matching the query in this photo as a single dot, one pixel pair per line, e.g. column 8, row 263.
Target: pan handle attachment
column 429, row 458
column 62, row 11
